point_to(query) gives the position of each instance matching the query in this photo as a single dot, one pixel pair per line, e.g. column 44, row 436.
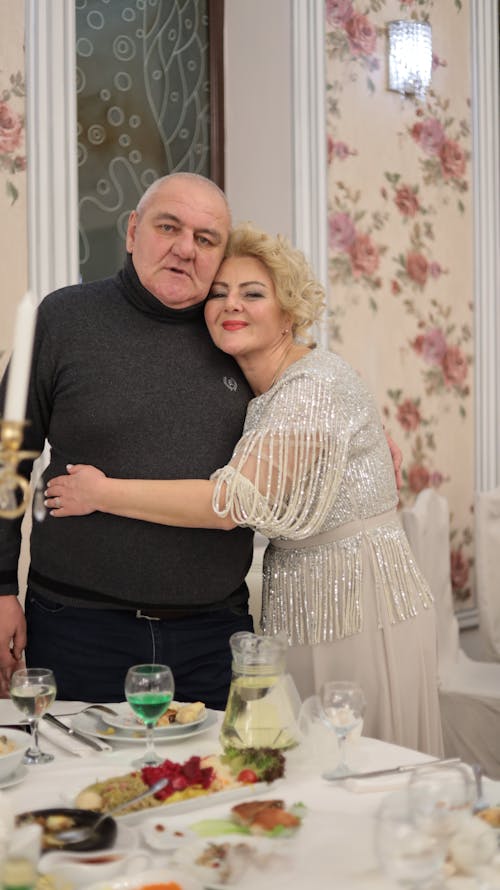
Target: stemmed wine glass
column 33, row 690
column 149, row 689
column 343, row 704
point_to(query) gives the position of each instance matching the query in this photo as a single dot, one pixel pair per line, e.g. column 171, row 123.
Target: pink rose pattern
column 439, row 138
column 355, row 252
column 352, row 38
column 413, row 270
column 12, row 157
column 338, row 150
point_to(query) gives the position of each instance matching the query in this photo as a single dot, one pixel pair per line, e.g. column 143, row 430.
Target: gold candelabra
column 11, row 455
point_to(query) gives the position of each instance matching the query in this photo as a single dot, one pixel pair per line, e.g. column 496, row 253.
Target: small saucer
column 17, row 776
column 161, row 834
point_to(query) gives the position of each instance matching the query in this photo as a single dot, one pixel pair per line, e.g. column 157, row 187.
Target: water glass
column 33, row 690
column 440, row 797
column 406, row 852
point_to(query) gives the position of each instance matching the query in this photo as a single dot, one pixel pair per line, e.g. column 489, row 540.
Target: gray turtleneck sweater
column 139, row 390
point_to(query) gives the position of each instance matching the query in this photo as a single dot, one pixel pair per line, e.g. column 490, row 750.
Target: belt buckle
column 140, row 614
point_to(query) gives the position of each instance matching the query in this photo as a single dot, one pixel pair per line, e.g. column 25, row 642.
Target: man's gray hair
column 190, row 177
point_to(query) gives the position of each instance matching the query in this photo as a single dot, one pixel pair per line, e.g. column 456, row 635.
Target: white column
column 486, row 190
column 51, row 144
column 309, row 138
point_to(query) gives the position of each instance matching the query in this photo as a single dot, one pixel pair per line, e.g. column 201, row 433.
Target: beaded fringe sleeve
column 313, row 458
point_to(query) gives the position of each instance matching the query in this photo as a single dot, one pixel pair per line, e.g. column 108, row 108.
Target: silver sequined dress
column 313, row 473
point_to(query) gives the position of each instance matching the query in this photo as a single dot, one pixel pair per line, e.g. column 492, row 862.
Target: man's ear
column 131, row 227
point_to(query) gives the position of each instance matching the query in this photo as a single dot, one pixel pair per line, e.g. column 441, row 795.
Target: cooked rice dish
column 102, row 796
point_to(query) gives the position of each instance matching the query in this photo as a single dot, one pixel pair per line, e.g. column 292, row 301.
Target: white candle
column 20, row 363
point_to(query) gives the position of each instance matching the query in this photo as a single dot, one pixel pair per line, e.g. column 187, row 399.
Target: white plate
column 197, row 803
column 159, row 875
column 17, row 776
column 127, row 720
column 91, row 724
column 264, row 857
column 161, row 833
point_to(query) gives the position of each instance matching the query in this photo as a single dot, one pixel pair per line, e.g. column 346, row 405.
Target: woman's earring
column 284, row 331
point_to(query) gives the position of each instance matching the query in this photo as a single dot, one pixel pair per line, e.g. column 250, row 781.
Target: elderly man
column 125, row 376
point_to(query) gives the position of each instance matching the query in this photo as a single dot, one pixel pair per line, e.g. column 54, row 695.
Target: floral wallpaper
column 12, row 157
column 400, row 246
column 13, row 228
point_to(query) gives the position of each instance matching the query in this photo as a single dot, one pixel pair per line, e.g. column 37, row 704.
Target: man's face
column 177, row 241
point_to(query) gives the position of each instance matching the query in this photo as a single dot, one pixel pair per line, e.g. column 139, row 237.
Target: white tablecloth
column 333, row 847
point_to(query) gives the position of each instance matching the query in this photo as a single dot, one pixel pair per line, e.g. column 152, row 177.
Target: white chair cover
column 469, row 692
column 427, row 527
column 487, row 543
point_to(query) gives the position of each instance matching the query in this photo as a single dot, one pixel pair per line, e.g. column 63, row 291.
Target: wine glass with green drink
column 149, row 689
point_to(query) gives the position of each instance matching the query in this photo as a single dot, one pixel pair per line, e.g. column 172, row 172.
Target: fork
column 104, row 708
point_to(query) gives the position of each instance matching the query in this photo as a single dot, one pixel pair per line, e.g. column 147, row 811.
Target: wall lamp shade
column 410, row 57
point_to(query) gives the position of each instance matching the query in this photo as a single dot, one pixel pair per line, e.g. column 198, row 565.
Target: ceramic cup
column 78, row 869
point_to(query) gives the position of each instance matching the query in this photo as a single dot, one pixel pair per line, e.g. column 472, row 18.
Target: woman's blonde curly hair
column 297, row 290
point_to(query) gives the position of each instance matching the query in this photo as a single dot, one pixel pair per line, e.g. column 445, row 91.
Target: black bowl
column 103, row 838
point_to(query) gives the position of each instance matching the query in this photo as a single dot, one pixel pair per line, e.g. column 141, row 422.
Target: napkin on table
column 68, row 743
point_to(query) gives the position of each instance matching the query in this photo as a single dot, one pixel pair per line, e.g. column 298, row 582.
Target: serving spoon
column 84, row 832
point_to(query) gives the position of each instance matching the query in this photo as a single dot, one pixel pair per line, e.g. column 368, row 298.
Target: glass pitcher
column 263, row 702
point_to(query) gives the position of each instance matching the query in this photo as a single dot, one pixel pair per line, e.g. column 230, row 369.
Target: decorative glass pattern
column 143, row 105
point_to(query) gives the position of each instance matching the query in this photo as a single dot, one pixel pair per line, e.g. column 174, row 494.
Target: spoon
column 480, row 803
column 84, row 832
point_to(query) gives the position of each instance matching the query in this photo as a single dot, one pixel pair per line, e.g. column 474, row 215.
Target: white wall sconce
column 410, row 57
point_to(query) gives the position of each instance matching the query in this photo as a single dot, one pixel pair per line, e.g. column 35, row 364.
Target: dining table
column 332, row 848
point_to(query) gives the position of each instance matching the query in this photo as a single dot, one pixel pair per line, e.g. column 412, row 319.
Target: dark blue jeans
column 90, row 650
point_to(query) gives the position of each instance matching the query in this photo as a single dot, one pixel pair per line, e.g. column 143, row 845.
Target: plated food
column 219, row 864
column 491, row 815
column 177, row 715
column 91, row 723
column 13, row 744
column 163, row 877
column 265, row 816
column 54, row 820
column 255, row 764
column 197, row 777
column 6, row 745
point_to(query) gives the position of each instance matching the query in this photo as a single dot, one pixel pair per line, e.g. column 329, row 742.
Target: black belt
column 164, row 614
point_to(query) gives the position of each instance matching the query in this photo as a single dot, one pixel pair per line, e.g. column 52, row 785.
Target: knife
column 74, row 732
column 406, row 768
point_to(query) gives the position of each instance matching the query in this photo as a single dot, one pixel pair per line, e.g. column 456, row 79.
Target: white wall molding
column 310, row 201
column 51, row 144
column 486, row 191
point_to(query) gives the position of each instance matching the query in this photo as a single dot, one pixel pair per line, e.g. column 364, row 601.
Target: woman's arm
column 181, row 502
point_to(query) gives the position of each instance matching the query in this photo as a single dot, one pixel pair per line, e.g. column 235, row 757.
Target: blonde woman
column 313, row 473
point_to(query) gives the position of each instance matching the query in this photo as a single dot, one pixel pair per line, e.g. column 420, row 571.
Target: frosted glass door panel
column 143, row 105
